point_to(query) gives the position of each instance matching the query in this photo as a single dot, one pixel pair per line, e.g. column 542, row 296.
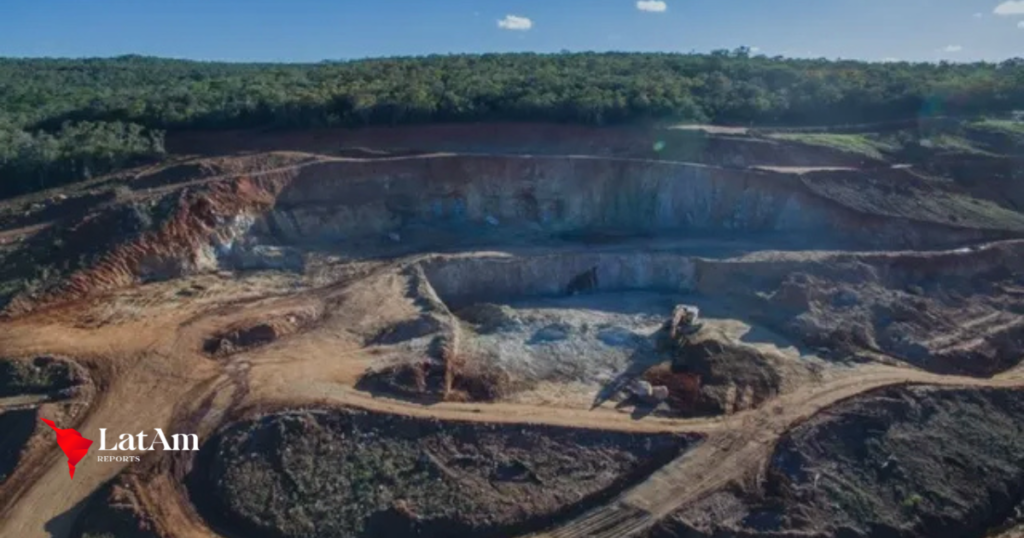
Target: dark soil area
column 16, row 427
column 907, row 463
column 415, row 379
column 256, row 333
column 423, row 380
column 952, row 325
column 42, row 375
column 342, row 474
column 113, row 512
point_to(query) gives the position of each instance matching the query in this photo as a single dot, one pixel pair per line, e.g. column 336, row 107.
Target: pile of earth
column 260, row 330
column 954, row 313
column 904, row 462
column 711, row 375
column 52, row 378
column 948, row 326
column 42, row 375
column 347, row 473
column 113, row 512
column 17, row 427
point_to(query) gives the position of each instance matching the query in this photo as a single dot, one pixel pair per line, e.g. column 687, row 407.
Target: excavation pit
column 573, row 330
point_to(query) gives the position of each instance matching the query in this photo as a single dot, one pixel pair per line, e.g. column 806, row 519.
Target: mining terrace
column 439, row 331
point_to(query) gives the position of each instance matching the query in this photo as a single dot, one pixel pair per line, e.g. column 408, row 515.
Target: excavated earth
column 904, row 462
column 25, row 386
column 428, row 331
column 319, row 473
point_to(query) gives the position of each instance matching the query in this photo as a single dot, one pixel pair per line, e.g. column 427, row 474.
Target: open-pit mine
column 520, row 330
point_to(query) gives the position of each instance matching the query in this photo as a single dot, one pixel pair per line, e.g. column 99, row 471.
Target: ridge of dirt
column 870, row 466
column 406, row 477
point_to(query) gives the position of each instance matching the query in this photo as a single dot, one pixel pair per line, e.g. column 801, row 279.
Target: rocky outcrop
column 423, row 201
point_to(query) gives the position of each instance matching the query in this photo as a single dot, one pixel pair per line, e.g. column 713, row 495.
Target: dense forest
column 66, row 119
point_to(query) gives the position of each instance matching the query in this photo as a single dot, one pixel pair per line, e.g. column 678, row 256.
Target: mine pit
column 577, row 330
column 389, row 343
column 328, row 473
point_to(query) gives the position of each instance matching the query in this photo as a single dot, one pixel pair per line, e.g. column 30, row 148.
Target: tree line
column 63, row 120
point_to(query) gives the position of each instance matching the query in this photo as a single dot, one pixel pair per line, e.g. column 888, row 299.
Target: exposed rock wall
column 348, row 202
column 465, row 280
column 343, row 200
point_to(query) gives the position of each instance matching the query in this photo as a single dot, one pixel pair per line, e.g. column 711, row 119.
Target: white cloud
column 1011, row 7
column 755, row 50
column 1020, row 25
column 978, row 15
column 513, row 22
column 952, row 48
column 653, row 6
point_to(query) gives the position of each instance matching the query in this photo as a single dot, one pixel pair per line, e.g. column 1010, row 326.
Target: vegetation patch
column 63, row 120
column 851, row 143
column 1006, row 127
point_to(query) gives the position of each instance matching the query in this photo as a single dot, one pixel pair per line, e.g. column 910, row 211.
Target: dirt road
column 150, row 372
column 738, row 452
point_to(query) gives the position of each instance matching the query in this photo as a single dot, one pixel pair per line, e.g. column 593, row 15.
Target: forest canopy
column 63, row 120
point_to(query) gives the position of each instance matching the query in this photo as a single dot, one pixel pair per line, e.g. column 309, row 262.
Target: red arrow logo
column 72, row 443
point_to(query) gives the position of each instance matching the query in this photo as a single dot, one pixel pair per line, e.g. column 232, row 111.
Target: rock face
column 346, row 200
column 354, row 206
column 319, row 474
column 464, row 281
column 952, row 312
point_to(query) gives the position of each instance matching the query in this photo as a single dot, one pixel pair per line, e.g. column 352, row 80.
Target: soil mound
column 906, row 462
column 333, row 474
column 253, row 333
column 711, row 376
column 42, row 375
column 17, row 427
column 114, row 512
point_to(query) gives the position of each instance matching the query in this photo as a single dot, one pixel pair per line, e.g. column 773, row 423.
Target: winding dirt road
column 148, row 371
column 153, row 377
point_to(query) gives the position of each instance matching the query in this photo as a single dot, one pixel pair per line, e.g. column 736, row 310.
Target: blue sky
column 313, row 30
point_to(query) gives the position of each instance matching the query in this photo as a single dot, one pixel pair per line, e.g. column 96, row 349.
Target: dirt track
column 160, row 372
column 144, row 351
